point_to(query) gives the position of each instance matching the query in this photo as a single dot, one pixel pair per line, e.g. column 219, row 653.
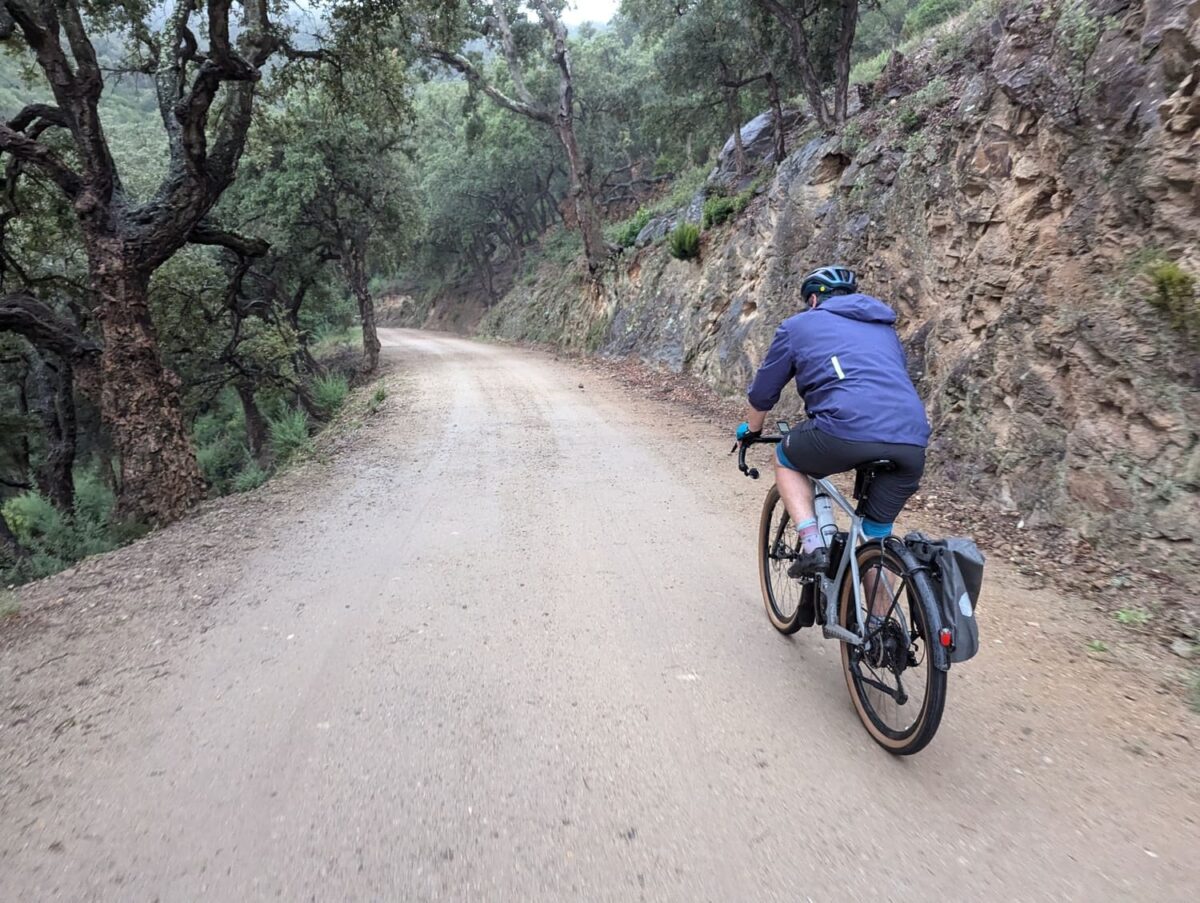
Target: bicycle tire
column 925, row 725
column 784, row 597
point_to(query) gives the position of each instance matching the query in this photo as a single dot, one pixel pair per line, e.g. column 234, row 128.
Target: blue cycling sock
column 873, row 529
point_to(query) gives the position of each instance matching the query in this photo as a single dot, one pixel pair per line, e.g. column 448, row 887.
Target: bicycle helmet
column 828, row 281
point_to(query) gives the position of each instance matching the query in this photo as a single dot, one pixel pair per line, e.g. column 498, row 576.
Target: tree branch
column 457, row 61
column 34, row 152
column 27, row 316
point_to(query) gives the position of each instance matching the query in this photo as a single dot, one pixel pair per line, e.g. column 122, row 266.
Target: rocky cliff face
column 1008, row 195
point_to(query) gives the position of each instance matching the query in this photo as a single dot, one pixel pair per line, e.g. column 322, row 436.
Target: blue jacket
column 849, row 369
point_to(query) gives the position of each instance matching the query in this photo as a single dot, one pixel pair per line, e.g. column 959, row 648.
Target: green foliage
column 330, row 391
column 718, row 209
column 1077, row 33
column 916, row 108
column 378, row 397
column 879, row 26
column 56, row 540
column 1175, row 295
column 289, row 434
column 219, row 436
column 683, row 189
column 561, row 247
column 928, row 13
column 1097, row 646
column 868, row 70
column 251, row 477
column 332, row 341
column 626, row 233
column 668, row 164
column 1133, row 617
column 9, row 606
column 684, row 241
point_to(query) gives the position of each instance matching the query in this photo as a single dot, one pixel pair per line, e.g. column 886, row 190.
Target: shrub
column 626, row 233
column 330, row 391
column 55, row 540
column 719, row 209
column 666, row 164
column 251, row 477
column 34, row 521
column 9, row 606
column 869, row 69
column 685, row 241
column 219, row 435
column 289, row 434
column 561, row 246
column 928, row 13
column 1175, row 295
column 221, row 460
column 378, row 397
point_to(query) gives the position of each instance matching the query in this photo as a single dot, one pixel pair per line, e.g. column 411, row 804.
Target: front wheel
column 789, row 602
column 896, row 689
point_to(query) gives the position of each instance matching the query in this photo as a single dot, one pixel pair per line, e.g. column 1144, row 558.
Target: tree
column 335, row 185
column 496, row 27
column 801, row 20
column 206, row 86
column 127, row 239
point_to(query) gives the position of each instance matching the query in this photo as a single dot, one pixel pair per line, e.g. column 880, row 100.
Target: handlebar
column 743, row 444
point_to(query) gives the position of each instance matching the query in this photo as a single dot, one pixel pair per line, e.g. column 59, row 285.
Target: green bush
column 719, row 209
column 666, row 164
column 9, row 606
column 289, row 434
column 626, row 233
column 928, row 13
column 330, row 391
column 869, row 69
column 561, row 246
column 251, row 477
column 1175, row 295
column 55, row 540
column 684, row 241
column 378, row 397
column 219, row 436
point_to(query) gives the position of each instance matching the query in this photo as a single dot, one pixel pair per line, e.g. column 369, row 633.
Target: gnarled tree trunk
column 355, row 266
column 777, row 116
column 256, row 424
column 139, row 400
column 54, row 402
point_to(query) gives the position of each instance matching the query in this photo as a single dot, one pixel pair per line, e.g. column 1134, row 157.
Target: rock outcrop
column 1008, row 205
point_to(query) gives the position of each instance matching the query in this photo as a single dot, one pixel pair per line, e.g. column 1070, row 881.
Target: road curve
column 513, row 649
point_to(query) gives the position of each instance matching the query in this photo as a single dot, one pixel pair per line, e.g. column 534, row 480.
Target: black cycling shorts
column 818, row 454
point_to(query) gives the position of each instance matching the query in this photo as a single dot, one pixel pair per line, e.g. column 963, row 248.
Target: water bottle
column 826, row 522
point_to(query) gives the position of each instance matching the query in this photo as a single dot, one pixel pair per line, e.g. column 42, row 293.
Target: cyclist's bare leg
column 796, row 491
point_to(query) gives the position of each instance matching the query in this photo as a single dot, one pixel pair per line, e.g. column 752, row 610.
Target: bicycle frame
column 849, row 558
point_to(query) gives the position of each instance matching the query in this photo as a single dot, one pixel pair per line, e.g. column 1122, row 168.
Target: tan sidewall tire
column 764, row 578
column 917, row 736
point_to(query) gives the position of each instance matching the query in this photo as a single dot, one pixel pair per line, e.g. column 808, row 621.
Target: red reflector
column 946, row 638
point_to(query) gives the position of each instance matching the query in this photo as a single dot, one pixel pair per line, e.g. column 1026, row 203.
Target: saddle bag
column 956, row 572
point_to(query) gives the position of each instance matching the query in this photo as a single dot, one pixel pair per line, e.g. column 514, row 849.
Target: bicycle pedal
column 836, row 632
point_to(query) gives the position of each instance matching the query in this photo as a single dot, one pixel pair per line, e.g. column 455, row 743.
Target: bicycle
column 881, row 661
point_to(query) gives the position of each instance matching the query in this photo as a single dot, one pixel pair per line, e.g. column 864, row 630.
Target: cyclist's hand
column 745, row 434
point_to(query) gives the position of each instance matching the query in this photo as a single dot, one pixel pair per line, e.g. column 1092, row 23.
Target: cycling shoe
column 810, row 564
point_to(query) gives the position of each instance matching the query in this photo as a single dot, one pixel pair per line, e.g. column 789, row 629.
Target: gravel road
column 505, row 643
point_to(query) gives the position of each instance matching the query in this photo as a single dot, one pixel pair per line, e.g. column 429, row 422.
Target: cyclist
column 849, row 368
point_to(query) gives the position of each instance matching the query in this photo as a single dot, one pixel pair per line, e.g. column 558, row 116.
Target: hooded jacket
column 850, row 370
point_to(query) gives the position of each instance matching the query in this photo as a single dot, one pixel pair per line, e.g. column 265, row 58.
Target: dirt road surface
column 504, row 641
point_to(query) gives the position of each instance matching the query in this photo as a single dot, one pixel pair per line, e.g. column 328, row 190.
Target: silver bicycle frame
column 833, row 630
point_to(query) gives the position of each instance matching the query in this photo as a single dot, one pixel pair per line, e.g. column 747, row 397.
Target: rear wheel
column 897, row 691
column 789, row 602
